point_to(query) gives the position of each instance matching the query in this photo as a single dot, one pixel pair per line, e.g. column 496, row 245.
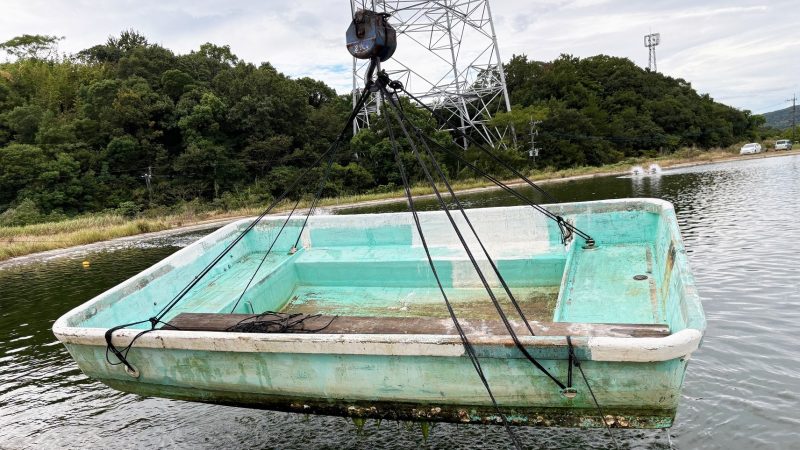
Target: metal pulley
column 370, row 36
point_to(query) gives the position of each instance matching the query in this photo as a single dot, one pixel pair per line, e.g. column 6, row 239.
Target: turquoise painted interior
column 372, row 265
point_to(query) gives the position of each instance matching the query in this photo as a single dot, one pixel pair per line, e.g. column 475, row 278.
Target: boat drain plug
column 640, row 277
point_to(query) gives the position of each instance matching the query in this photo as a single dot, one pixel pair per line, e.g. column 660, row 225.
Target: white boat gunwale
column 676, row 345
column 630, row 349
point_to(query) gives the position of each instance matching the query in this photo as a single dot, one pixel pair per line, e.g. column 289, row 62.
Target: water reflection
column 637, row 186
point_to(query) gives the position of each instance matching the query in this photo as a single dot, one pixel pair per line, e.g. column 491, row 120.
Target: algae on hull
column 417, row 413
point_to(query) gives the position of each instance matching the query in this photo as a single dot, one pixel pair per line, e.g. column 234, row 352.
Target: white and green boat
column 373, row 338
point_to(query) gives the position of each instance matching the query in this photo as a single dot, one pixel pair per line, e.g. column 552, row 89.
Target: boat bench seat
column 394, row 266
column 413, row 325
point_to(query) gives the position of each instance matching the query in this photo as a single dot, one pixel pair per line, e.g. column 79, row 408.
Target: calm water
column 740, row 225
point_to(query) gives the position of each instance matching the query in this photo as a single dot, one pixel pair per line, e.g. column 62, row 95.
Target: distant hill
column 602, row 109
column 780, row 119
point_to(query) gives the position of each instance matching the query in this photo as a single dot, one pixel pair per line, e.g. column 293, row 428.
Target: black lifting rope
column 393, row 105
column 122, row 354
column 471, row 354
column 317, row 196
column 509, row 327
column 566, row 228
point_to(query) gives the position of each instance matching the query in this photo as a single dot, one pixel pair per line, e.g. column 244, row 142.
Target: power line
column 794, row 115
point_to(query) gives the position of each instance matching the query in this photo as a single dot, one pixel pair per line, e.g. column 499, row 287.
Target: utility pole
column 534, row 152
column 794, row 116
column 148, row 179
column 650, row 41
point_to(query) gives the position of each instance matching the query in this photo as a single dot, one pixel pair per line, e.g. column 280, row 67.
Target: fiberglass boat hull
column 424, row 377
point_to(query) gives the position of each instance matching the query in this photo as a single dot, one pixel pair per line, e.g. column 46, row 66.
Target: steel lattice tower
column 651, row 41
column 447, row 56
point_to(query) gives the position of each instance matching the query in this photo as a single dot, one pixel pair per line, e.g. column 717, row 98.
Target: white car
column 783, row 144
column 750, row 148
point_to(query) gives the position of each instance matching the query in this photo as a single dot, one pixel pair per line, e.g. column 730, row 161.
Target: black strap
column 468, row 348
column 571, row 361
column 574, row 359
column 400, row 119
column 121, row 355
column 397, row 85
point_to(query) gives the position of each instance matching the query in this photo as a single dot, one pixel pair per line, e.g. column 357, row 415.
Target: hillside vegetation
column 79, row 132
column 600, row 109
column 780, row 119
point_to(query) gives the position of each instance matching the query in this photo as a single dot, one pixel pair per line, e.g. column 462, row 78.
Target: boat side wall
column 645, row 392
column 677, row 291
column 142, row 295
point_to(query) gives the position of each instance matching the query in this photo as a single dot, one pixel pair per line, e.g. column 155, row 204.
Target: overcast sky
column 743, row 53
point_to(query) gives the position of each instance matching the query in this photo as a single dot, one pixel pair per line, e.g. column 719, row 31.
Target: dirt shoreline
column 216, row 223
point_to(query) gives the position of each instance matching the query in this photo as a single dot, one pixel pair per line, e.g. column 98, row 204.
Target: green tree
column 207, row 168
column 77, row 133
column 23, row 122
column 175, row 82
column 32, row 46
column 20, row 168
column 519, row 122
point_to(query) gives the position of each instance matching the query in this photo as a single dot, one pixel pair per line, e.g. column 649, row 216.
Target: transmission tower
column 447, row 56
column 651, row 41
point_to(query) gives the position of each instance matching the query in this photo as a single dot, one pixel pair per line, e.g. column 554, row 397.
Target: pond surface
column 742, row 391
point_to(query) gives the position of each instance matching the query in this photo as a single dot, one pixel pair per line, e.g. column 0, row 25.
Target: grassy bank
column 23, row 240
column 18, row 241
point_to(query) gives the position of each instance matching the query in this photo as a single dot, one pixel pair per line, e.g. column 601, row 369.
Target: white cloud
column 745, row 53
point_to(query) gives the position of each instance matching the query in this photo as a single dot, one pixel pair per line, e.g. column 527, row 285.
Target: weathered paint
column 374, row 264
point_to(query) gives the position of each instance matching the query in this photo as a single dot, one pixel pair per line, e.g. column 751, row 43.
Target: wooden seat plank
column 417, row 325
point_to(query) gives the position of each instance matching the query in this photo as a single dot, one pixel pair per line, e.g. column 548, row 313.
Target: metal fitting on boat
column 569, row 392
column 590, row 244
column 131, row 370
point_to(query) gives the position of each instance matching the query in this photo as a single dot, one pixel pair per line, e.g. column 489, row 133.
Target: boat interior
column 370, row 274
